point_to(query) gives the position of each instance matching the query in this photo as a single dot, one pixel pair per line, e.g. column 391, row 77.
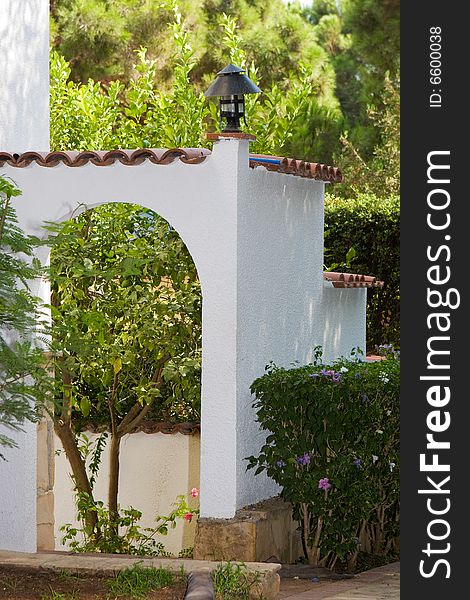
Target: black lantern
column 231, row 85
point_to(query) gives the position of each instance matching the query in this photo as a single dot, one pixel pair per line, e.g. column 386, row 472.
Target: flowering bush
column 333, row 446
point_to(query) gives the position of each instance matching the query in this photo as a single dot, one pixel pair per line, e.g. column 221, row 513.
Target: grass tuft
column 137, row 581
column 233, row 581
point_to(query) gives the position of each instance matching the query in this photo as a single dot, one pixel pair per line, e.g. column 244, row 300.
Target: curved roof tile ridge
column 164, row 156
column 292, row 166
column 103, row 158
column 351, row 280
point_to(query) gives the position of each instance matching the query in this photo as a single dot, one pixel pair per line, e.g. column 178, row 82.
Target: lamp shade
column 231, row 81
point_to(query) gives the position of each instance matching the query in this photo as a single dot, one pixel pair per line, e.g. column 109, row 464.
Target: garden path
column 382, row 583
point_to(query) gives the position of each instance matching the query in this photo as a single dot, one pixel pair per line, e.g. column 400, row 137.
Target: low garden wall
column 155, row 469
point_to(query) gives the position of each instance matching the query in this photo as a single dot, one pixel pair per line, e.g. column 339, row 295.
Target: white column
column 219, row 370
column 24, row 125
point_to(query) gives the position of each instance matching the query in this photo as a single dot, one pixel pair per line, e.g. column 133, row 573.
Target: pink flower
column 188, row 516
column 324, row 484
column 194, row 492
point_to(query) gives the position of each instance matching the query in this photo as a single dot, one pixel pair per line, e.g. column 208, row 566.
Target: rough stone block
column 268, row 587
column 45, row 521
column 265, row 531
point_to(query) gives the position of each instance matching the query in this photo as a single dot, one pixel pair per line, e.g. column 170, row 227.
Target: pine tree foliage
column 23, row 376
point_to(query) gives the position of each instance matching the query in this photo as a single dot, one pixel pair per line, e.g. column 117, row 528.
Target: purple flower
column 364, row 397
column 314, row 375
column 304, row 459
column 324, row 484
column 336, row 377
column 357, row 462
column 280, row 464
column 357, row 375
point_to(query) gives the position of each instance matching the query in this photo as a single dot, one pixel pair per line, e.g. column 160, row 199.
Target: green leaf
column 350, row 254
column 85, row 406
column 117, row 365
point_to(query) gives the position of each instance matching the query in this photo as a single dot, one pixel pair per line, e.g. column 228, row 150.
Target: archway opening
column 126, row 308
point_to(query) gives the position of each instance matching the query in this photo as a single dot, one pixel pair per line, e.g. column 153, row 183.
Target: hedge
column 371, row 226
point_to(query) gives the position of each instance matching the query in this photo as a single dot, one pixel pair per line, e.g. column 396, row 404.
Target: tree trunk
column 127, row 425
column 77, row 464
column 113, row 482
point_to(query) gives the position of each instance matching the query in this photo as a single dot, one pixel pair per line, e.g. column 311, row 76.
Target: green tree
column 99, row 37
column 126, row 308
column 23, row 376
column 274, row 37
column 380, row 175
column 100, row 372
column 362, row 38
column 140, row 114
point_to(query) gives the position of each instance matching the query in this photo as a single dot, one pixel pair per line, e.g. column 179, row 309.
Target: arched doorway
column 126, row 339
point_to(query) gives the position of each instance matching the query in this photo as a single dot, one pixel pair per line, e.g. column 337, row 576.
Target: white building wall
column 343, row 316
column 24, row 75
column 256, row 239
column 18, row 492
column 24, row 125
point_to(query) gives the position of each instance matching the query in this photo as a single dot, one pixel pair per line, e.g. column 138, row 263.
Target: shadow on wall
column 297, row 312
column 284, row 308
column 24, row 75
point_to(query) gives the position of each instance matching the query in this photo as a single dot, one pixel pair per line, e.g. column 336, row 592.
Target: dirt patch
column 40, row 584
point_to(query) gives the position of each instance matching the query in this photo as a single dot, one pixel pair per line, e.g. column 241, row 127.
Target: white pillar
column 219, row 367
column 24, row 125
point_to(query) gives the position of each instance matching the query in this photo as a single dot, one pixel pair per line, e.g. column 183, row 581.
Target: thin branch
column 111, row 406
column 130, row 425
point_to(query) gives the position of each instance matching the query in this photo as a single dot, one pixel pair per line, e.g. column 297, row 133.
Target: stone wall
column 45, row 485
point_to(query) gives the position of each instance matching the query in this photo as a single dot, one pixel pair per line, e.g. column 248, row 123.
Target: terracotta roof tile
column 292, row 166
column 105, row 158
column 162, row 156
column 351, row 280
column 154, row 427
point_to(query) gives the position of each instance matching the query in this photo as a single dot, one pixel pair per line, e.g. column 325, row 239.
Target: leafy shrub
column 333, row 446
column 140, row 113
column 130, row 537
column 371, row 226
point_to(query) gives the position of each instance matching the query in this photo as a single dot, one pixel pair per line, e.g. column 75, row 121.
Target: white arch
column 256, row 238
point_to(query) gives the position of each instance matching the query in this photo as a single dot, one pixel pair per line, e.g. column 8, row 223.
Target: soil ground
column 34, row 584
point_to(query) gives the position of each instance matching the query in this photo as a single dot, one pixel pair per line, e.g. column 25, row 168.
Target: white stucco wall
column 200, row 201
column 24, row 75
column 257, row 241
column 24, row 124
column 155, row 469
column 343, row 315
column 283, row 307
column 18, row 492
